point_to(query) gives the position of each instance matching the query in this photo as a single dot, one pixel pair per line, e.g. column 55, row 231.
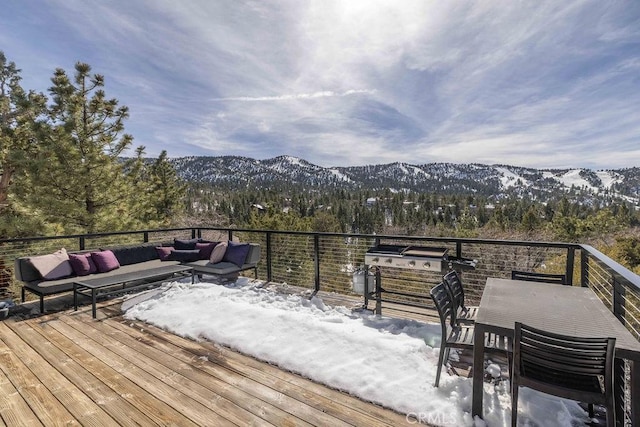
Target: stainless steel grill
column 415, row 258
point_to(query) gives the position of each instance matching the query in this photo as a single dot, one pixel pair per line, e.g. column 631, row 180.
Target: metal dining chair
column 558, row 279
column 460, row 336
column 574, row 368
column 464, row 314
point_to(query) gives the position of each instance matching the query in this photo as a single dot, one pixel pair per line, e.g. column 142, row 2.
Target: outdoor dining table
column 568, row 310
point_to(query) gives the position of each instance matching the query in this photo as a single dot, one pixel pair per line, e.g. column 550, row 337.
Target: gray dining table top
column 567, row 310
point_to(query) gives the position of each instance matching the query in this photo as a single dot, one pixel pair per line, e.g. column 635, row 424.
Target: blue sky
column 339, row 83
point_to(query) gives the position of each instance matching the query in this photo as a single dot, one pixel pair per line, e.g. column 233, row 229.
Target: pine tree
column 19, row 113
column 77, row 178
column 166, row 189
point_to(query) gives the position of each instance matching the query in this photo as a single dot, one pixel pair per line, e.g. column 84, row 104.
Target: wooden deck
column 66, row 368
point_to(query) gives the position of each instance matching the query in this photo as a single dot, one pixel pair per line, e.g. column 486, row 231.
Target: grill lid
column 422, row 251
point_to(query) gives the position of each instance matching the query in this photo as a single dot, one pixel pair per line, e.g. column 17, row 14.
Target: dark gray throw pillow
column 185, row 245
column 184, row 255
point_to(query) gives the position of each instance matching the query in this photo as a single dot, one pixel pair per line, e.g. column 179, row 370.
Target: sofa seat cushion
column 62, row 285
column 220, row 268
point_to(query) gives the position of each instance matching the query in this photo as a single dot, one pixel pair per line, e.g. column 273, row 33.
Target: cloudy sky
column 354, row 82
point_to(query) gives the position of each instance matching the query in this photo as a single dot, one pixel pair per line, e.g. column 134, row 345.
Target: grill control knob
column 389, row 260
column 412, row 263
column 376, row 259
column 427, row 265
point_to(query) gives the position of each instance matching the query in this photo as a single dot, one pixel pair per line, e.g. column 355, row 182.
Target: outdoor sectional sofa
column 138, row 265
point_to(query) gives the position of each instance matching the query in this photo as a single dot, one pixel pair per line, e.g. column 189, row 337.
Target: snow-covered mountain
column 234, row 172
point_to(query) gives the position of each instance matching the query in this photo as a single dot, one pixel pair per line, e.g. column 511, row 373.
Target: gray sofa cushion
column 221, row 268
column 66, row 284
column 224, row 267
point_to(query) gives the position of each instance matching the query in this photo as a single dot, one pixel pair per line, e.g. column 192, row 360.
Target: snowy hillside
column 489, row 180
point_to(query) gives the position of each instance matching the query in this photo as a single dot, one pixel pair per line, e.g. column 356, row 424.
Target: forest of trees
column 613, row 229
column 62, row 171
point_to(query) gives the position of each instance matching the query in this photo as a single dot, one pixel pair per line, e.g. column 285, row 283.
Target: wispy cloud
column 323, row 94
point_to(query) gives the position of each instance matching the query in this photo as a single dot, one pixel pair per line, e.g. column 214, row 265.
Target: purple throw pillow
column 205, row 249
column 164, row 252
column 82, row 264
column 236, row 253
column 105, row 261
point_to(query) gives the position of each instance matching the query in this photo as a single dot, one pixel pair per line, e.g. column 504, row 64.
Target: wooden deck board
column 179, row 375
column 66, row 368
column 340, row 405
column 37, row 396
column 74, row 400
column 121, row 410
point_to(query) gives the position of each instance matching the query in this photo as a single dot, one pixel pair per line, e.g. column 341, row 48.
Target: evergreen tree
column 76, row 177
column 19, row 113
column 166, row 189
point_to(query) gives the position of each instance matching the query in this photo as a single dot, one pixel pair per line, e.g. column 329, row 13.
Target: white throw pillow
column 218, row 252
column 53, row 266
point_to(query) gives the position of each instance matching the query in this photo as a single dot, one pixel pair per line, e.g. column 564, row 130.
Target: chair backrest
column 564, row 366
column 558, row 279
column 452, row 280
column 445, row 306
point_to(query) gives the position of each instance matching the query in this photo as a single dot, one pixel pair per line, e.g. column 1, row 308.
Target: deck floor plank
column 168, row 400
column 182, row 376
column 334, row 402
column 254, row 383
column 14, row 410
column 42, row 402
column 158, row 411
column 73, row 399
column 130, row 373
column 121, row 410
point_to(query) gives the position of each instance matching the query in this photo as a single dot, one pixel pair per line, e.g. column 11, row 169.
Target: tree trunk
column 5, row 181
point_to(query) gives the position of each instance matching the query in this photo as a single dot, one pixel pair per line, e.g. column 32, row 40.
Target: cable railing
column 329, row 262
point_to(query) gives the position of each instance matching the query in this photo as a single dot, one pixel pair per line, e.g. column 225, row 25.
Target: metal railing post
column 618, row 297
column 145, row 237
column 269, row 271
column 316, row 253
column 81, row 243
column 571, row 254
column 193, row 233
column 230, row 235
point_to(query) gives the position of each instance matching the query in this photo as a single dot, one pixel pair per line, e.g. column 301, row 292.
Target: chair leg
column 611, row 414
column 514, row 404
column 441, row 359
column 590, row 408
